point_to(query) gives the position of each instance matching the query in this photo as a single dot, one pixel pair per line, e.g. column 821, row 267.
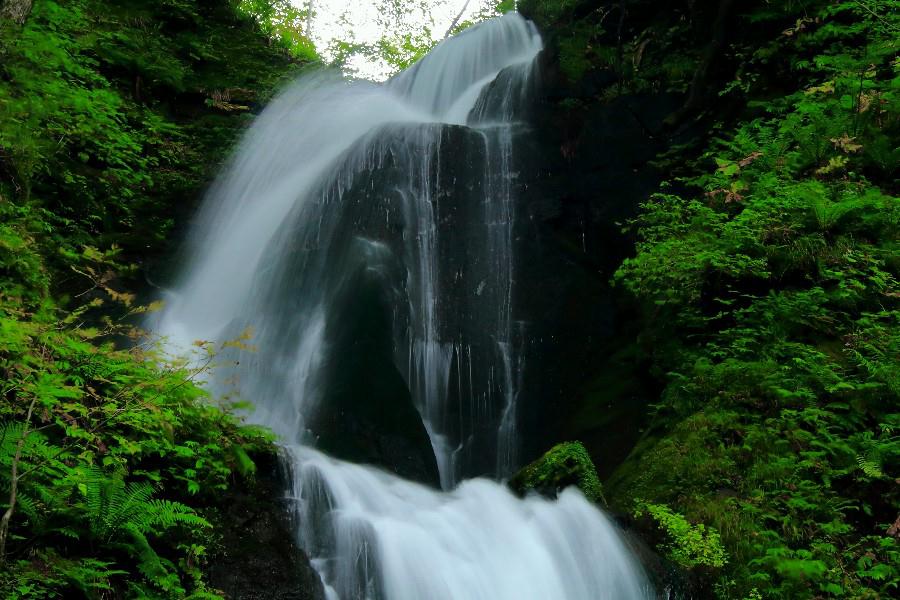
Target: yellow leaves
column 221, row 99
column 749, row 159
column 229, row 107
column 730, row 194
column 800, row 25
column 847, row 144
column 865, row 102
column 834, row 164
column 825, row 88
column 733, row 192
column 240, row 341
column 730, row 168
column 124, row 297
column 91, row 253
column 86, row 333
column 154, row 306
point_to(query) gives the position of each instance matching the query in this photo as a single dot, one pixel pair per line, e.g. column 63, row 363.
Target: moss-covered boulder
column 563, row 465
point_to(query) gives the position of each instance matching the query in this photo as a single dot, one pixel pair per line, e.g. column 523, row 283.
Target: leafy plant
column 688, row 545
column 769, row 278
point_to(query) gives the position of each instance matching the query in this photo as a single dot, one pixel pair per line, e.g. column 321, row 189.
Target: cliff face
column 629, row 96
column 693, row 381
column 602, row 119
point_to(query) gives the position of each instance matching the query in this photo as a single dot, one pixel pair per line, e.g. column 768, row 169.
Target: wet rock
column 378, row 290
column 367, row 414
column 255, row 556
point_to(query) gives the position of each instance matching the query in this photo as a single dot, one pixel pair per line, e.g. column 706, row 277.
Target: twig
column 456, row 20
column 13, row 484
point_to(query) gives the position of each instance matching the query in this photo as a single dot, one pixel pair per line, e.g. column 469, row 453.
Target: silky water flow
column 403, row 192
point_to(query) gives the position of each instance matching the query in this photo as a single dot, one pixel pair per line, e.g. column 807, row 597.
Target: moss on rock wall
column 564, row 465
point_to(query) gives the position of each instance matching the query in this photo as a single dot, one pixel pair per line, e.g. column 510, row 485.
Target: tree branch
column 456, row 20
column 15, row 10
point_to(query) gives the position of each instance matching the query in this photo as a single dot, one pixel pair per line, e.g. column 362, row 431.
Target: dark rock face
column 670, row 581
column 592, row 164
column 381, row 261
column 578, row 176
column 588, row 171
column 256, row 557
column 367, row 414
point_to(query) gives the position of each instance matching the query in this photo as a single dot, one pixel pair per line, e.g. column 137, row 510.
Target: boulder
column 255, row 556
column 563, row 465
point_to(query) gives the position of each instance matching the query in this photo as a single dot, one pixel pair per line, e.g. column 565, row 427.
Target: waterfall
column 363, row 237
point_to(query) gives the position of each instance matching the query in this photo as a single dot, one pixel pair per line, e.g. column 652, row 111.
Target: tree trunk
column 701, row 74
column 14, row 484
column 15, row 10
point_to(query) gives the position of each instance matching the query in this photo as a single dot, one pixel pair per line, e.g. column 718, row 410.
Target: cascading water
column 364, row 233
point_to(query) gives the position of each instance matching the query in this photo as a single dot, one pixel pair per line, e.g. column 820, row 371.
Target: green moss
column 565, row 464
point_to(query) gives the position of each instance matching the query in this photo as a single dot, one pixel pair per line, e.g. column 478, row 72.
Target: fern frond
column 149, row 562
column 870, row 465
column 168, row 513
column 27, row 507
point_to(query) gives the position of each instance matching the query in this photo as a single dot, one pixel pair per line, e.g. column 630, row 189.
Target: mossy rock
column 563, row 465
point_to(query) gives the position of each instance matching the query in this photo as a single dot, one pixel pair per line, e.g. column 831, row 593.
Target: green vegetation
column 107, row 462
column 767, row 269
column 113, row 116
column 563, row 465
column 408, row 31
column 687, row 545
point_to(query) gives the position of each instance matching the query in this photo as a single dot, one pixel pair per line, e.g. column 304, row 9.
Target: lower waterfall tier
column 378, row 536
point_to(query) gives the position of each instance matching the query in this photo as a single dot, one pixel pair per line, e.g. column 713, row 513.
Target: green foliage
column 408, row 31
column 284, row 21
column 768, row 276
column 109, row 433
column 548, row 12
column 687, row 545
column 113, row 114
column 563, row 465
column 643, row 45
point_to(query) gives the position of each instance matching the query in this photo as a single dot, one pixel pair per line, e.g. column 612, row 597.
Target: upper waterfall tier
column 447, row 82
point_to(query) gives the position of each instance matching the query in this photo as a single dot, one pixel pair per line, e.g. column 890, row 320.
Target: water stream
column 364, row 235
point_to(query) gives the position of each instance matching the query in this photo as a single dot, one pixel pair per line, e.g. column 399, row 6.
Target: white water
column 274, row 249
column 476, row 542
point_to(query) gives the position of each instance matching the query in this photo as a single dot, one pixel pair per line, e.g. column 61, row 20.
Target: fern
column 115, row 508
column 168, row 514
column 870, row 465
